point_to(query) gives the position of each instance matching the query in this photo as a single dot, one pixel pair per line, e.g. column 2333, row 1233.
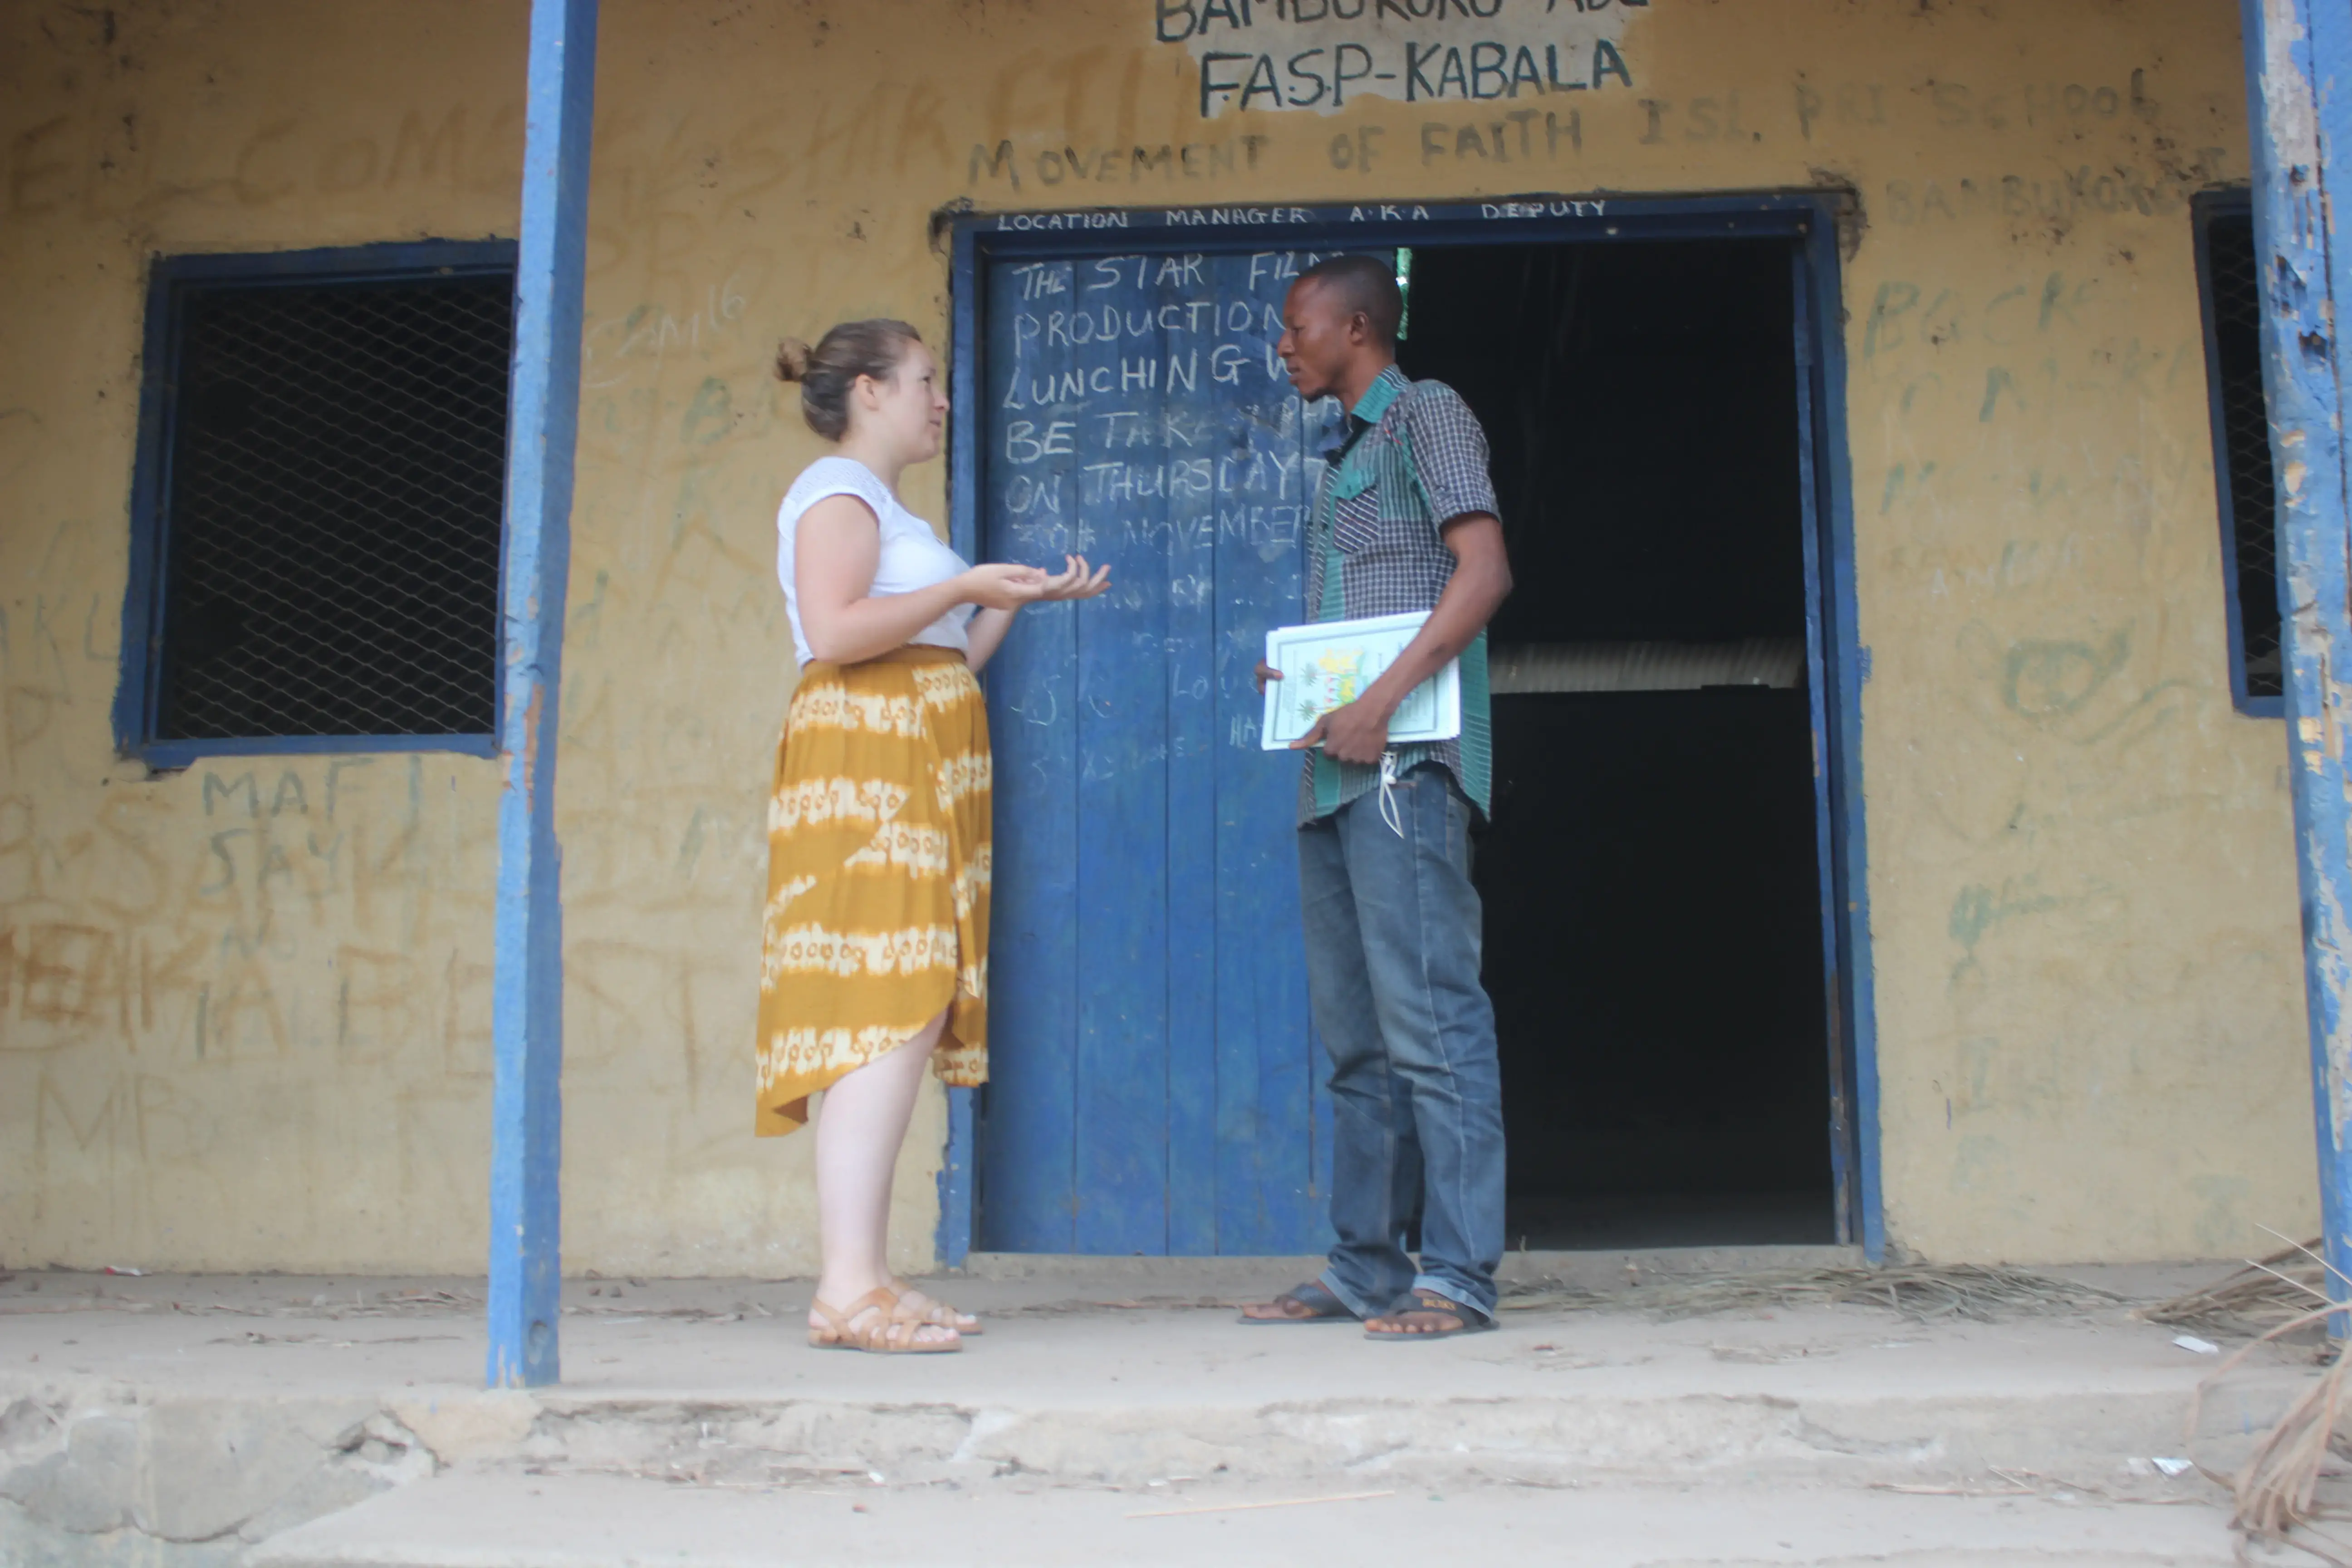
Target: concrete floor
column 1148, row 1321
column 178, row 1422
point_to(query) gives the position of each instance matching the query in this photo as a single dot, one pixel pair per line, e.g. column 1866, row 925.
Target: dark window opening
column 1653, row 899
column 329, row 455
column 2241, row 447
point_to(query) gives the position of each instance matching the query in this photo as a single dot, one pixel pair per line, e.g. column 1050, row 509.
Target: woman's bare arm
column 985, row 635
column 835, row 554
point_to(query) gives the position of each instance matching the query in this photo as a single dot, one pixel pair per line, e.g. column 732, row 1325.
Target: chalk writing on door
column 1139, row 401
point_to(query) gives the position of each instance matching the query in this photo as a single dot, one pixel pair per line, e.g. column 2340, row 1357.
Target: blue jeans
column 1393, row 945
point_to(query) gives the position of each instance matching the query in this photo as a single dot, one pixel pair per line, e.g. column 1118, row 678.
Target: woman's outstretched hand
column 1004, row 587
column 1076, row 580
column 1002, row 590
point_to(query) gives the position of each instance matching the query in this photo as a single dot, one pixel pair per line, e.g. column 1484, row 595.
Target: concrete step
column 226, row 1417
column 1124, row 1397
column 1540, row 1437
column 508, row 1518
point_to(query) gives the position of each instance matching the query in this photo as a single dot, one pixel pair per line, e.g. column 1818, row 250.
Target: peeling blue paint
column 2298, row 52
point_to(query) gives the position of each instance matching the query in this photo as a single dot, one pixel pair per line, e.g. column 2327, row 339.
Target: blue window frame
column 2230, row 289
column 317, row 510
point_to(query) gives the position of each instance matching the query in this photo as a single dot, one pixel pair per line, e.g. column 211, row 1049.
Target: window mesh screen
column 2245, row 423
column 337, row 460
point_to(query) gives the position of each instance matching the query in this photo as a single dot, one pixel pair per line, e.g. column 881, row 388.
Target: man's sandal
column 876, row 1323
column 1428, row 1305
column 1312, row 1304
column 934, row 1311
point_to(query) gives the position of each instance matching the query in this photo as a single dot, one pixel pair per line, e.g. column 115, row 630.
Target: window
column 317, row 516
column 2241, row 447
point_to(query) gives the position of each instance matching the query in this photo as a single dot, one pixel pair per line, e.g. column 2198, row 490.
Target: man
column 1404, row 521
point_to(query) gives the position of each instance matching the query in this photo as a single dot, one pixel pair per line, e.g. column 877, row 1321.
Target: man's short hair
column 1364, row 283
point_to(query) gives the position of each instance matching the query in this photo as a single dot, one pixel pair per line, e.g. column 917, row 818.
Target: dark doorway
column 1653, row 891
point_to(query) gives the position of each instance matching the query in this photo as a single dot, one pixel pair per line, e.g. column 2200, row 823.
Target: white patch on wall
column 1321, row 55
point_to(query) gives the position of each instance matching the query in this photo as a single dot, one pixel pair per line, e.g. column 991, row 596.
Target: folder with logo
column 1329, row 664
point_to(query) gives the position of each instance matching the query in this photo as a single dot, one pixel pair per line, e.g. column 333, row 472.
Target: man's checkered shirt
column 1415, row 459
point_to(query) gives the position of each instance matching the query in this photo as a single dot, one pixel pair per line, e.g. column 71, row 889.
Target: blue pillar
column 2299, row 107
column 543, row 411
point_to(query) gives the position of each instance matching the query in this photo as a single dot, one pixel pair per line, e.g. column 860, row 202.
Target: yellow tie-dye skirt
column 877, row 877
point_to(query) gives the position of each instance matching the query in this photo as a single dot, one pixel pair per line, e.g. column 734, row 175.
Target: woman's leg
column 859, row 1127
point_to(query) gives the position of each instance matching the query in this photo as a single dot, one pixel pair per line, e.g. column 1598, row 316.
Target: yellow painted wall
column 244, row 1009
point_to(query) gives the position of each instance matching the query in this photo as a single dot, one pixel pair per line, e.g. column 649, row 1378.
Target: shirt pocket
column 1356, row 521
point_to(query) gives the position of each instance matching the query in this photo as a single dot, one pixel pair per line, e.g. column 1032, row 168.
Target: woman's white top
column 912, row 556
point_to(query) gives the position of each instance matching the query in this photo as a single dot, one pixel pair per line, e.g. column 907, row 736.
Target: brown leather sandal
column 936, row 1312
column 889, row 1331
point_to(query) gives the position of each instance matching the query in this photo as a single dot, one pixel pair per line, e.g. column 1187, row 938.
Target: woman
column 876, row 938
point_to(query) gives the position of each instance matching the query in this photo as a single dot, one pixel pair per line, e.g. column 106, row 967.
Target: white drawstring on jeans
column 1390, row 813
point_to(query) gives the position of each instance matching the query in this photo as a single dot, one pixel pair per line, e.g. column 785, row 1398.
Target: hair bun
column 830, row 372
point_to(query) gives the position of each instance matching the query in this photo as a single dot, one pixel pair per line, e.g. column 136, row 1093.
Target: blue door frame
column 1840, row 663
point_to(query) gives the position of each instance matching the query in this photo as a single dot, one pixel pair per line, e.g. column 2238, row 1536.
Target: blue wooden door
column 1154, row 1088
